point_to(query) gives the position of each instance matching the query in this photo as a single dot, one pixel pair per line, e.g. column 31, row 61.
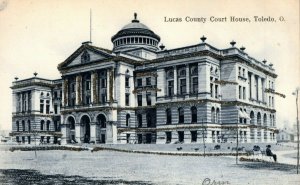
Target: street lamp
column 296, row 94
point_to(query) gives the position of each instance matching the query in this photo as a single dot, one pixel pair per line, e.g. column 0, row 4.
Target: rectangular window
column 103, row 83
column 148, row 97
column 47, row 107
column 240, row 92
column 244, row 93
column 216, row 92
column 195, row 85
column 127, row 99
column 103, row 98
column 88, row 100
column 139, row 82
column 211, row 90
column 41, row 106
column 88, row 85
column 127, row 81
column 148, row 81
column 194, row 136
column 55, row 94
column 55, row 109
column 240, row 71
column 182, row 86
column 140, row 99
column 243, row 72
column 170, row 88
column 73, row 87
column 168, row 137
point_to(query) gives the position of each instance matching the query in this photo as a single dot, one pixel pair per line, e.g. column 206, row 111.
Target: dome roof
column 135, row 28
column 134, row 25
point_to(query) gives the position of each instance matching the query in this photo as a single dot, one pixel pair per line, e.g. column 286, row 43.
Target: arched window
column 265, row 119
column 252, row 117
column 42, row 124
column 140, row 120
column 194, row 71
column 127, row 119
column 18, row 126
column 170, row 74
column 101, row 120
column 180, row 115
column 182, row 72
column 259, row 118
column 48, row 125
column 213, row 115
column 194, row 114
column 71, row 122
column 29, row 125
column 218, row 115
column 168, row 116
column 23, row 125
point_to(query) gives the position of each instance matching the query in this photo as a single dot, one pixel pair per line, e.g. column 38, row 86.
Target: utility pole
column 203, row 137
column 296, row 94
column 90, row 25
column 237, row 141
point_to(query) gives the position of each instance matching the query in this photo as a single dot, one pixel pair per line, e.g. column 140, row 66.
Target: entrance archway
column 86, row 128
column 101, row 132
column 71, row 129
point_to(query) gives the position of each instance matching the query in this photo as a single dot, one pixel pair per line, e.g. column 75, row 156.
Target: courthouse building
column 140, row 92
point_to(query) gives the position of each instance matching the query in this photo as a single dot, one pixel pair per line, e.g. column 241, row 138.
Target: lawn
column 108, row 167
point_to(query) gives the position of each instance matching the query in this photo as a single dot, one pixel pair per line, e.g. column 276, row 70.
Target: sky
column 35, row 36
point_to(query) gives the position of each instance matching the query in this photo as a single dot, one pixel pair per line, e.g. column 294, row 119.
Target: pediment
column 85, row 54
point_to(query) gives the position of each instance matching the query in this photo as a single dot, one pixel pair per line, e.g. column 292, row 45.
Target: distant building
column 285, row 135
column 140, row 92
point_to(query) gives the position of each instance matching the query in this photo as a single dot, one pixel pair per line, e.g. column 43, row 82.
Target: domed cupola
column 135, row 35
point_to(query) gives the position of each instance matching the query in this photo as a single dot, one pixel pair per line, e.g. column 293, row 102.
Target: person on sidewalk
column 269, row 153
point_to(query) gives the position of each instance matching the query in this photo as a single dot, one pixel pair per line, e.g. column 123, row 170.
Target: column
column 255, row 139
column 78, row 132
column 204, row 80
column 259, row 87
column 161, row 82
column 94, row 89
column 78, row 90
column 111, row 128
column 110, row 84
column 111, row 132
column 187, row 67
column 263, row 86
column 26, row 100
column 65, row 134
column 21, row 102
column 93, row 132
column 15, row 102
column 253, row 87
column 65, row 93
column 175, row 80
column 262, row 135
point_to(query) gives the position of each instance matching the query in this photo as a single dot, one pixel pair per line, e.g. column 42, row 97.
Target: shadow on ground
column 17, row 176
column 269, row 166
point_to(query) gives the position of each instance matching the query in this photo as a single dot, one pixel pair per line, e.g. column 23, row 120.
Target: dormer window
column 85, row 57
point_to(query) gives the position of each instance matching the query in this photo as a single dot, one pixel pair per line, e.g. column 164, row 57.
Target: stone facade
column 141, row 93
